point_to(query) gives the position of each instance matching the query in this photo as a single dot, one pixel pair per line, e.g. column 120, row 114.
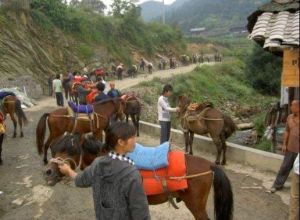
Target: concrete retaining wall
column 245, row 155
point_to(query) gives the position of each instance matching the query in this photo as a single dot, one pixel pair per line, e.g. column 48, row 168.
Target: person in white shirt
column 164, row 109
column 294, row 199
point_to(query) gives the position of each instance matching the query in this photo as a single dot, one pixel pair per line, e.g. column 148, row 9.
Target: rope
column 61, row 161
column 183, row 177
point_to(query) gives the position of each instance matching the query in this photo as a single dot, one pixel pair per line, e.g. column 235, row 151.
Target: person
column 82, row 93
column 120, row 70
column 113, row 92
column 50, row 86
column 290, row 147
column 294, row 199
column 57, row 88
column 101, row 95
column 118, row 192
column 164, row 109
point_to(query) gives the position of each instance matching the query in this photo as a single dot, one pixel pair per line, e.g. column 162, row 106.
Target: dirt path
column 127, row 83
column 25, row 195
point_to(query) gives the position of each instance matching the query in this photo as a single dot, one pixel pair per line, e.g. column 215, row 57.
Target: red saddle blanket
column 152, row 180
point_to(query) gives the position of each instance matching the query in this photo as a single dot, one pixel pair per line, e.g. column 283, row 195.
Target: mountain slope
column 213, row 14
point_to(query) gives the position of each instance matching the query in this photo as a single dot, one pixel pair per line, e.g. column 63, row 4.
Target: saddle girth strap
column 169, row 195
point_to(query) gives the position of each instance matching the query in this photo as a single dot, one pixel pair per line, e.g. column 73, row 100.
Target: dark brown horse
column 205, row 120
column 12, row 105
column 132, row 107
column 61, row 121
column 70, row 149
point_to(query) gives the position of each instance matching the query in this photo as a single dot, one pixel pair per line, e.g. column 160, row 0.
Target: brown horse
column 206, row 120
column 73, row 149
column 132, row 107
column 60, row 121
column 12, row 105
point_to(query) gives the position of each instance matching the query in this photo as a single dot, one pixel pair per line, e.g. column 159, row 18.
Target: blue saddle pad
column 3, row 94
column 150, row 158
column 81, row 108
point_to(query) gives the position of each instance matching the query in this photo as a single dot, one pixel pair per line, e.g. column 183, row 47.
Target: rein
column 60, row 161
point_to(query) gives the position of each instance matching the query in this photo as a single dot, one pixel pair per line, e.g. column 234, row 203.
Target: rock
column 245, row 126
column 18, row 201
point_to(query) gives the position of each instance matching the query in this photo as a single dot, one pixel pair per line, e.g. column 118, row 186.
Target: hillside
column 50, row 38
column 217, row 16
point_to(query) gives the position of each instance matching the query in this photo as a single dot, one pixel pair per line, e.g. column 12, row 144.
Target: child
column 164, row 109
column 117, row 186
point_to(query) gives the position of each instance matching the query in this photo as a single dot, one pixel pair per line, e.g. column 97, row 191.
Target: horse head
column 183, row 102
column 74, row 149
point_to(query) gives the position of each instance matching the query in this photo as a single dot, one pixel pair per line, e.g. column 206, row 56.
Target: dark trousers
column 59, row 99
column 165, row 130
column 284, row 171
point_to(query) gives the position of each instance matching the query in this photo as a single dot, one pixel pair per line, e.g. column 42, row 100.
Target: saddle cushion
column 3, row 94
column 152, row 180
column 81, row 108
column 150, row 158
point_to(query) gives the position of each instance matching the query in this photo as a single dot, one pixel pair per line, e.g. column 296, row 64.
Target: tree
column 263, row 71
column 94, row 5
column 121, row 7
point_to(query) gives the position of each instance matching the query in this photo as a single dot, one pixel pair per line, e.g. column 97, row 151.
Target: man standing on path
column 294, row 200
column 290, row 147
column 164, row 117
column 57, row 88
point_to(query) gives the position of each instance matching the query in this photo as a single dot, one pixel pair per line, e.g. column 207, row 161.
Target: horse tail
column 223, row 196
column 229, row 126
column 41, row 132
column 20, row 113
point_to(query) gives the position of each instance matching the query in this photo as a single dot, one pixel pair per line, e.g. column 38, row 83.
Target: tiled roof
column 277, row 30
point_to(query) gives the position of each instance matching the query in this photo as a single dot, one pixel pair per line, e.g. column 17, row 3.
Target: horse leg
column 127, row 116
column 15, row 124
column 186, row 140
column 218, row 144
column 21, row 126
column 191, row 142
column 46, row 146
column 224, row 146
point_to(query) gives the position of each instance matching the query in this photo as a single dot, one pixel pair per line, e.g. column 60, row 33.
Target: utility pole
column 163, row 12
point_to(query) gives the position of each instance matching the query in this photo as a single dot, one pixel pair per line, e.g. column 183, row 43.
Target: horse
column 150, row 68
column 132, row 107
column 276, row 115
column 12, row 105
column 132, row 72
column 60, row 121
column 206, row 120
column 67, row 86
column 203, row 174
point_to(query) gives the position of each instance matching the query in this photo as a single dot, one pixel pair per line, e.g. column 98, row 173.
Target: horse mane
column 69, row 143
column 92, row 145
column 204, row 105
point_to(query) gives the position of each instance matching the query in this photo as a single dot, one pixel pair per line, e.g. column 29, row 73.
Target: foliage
column 121, row 7
column 93, row 5
column 263, row 71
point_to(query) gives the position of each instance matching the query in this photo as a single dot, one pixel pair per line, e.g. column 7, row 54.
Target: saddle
column 160, row 181
column 86, row 109
column 195, row 110
column 150, row 158
column 4, row 94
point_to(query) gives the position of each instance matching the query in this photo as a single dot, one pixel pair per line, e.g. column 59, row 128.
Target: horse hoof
column 45, row 162
column 22, row 135
column 217, row 162
column 223, row 163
